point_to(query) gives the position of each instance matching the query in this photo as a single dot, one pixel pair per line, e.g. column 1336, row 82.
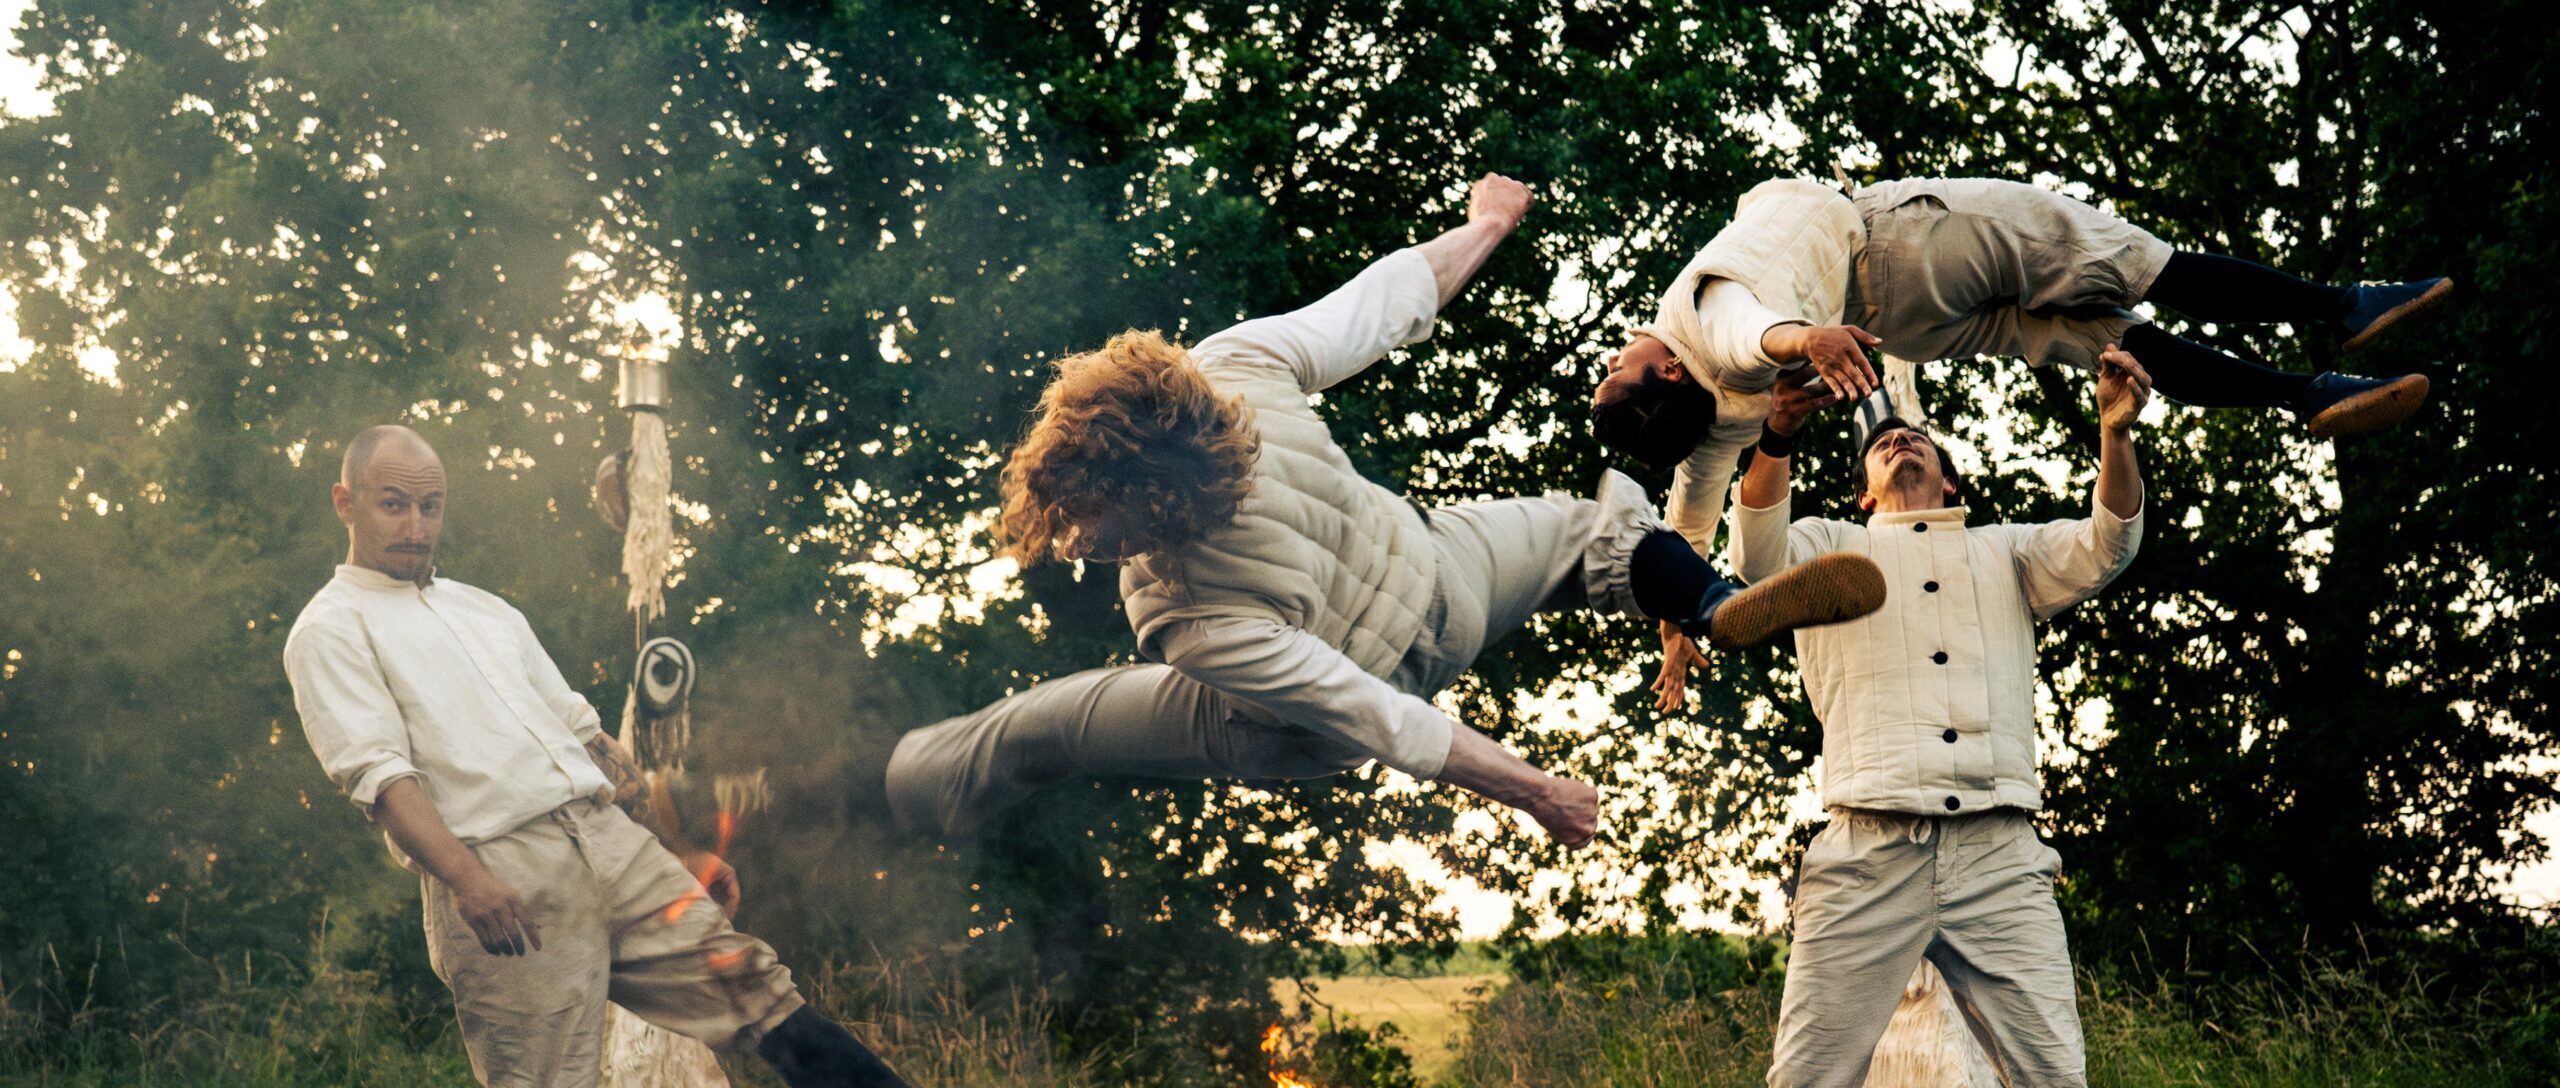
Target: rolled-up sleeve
column 1391, row 303
column 1765, row 543
column 349, row 717
column 1294, row 676
column 2062, row 563
column 1698, row 487
column 1731, row 322
column 563, row 701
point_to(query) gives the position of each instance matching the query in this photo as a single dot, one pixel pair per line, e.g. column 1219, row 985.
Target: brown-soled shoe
column 2356, row 405
column 1829, row 589
column 2376, row 307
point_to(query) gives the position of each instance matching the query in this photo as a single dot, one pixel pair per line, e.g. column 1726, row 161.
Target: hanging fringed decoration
column 648, row 541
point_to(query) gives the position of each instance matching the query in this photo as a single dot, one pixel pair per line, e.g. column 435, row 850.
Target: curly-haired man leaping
column 1297, row 616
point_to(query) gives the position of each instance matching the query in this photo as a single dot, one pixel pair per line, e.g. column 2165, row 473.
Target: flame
column 1272, row 1038
column 728, row 830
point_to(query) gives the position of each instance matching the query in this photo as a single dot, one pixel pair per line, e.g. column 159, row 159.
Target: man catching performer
column 1929, row 743
column 433, row 706
column 1298, row 617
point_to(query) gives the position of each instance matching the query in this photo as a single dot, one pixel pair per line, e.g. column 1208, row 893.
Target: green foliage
column 2310, row 718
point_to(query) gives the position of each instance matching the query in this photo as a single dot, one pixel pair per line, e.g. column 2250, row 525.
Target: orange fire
column 1280, row 1078
column 728, row 829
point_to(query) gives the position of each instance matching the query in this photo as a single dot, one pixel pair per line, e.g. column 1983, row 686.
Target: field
column 1474, row 1028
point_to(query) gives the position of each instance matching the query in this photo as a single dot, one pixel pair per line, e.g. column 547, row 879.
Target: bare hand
column 1498, row 199
column 717, row 877
column 1790, row 401
column 1679, row 652
column 1839, row 354
column 497, row 915
column 2123, row 389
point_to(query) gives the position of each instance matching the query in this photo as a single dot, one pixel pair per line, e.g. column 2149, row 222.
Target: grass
column 2354, row 1027
column 340, row 1027
column 1631, row 1022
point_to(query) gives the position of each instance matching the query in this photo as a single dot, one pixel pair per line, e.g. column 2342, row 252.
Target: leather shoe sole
column 1836, row 587
column 2425, row 301
column 2372, row 409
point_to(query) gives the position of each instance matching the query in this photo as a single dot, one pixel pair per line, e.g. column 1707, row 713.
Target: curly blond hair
column 1132, row 452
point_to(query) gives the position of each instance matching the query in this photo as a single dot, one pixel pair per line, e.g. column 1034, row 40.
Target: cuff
column 585, row 726
column 366, row 788
column 1410, row 279
column 1422, row 739
column 2110, row 523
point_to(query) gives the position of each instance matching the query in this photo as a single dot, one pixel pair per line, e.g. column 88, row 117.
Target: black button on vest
column 1930, row 586
column 1951, row 736
column 1920, row 527
column 1953, row 804
column 1940, row 657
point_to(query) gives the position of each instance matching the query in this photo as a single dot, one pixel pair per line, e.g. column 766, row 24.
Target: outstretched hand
column 2123, row 389
column 1837, row 352
column 1671, row 685
column 1790, row 401
column 1500, row 200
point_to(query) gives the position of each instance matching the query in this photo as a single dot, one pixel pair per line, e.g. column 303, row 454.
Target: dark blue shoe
column 2337, row 405
column 2374, row 307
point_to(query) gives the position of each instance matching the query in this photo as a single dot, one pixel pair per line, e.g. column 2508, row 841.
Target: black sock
column 2237, row 292
column 2191, row 373
column 1668, row 577
column 811, row 1051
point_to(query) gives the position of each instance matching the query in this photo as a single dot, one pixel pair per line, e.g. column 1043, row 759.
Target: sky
column 1481, row 913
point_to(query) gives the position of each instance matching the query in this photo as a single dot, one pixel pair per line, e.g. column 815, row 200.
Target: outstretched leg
column 2209, row 287
column 1134, row 721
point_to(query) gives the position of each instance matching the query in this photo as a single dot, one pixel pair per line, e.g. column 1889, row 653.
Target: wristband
column 1775, row 444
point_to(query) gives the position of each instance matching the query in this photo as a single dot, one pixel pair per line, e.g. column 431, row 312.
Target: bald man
column 433, row 706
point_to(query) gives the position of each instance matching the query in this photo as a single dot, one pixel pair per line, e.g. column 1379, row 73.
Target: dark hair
column 1653, row 419
column 1858, row 464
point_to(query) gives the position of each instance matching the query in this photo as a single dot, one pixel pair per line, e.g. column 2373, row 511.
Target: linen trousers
column 1973, row 895
column 1500, row 562
column 1956, row 268
column 621, row 920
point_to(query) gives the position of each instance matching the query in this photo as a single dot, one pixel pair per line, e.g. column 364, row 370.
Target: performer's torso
column 1931, row 698
column 1314, row 544
column 491, row 750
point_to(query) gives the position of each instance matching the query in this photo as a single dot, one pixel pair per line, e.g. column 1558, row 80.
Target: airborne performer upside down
column 1299, row 617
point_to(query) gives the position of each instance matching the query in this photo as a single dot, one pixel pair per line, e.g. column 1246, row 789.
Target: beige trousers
column 1956, row 268
column 1500, row 562
column 1973, row 895
column 621, row 920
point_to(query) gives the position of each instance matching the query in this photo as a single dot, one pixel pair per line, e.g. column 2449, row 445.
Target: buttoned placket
column 477, row 649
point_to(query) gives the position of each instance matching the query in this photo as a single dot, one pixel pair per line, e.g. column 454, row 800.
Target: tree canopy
column 2318, row 707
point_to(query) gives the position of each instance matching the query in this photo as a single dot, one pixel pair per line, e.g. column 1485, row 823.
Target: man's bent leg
column 677, row 963
column 535, row 1020
column 1862, row 921
column 1136, row 721
column 2002, row 949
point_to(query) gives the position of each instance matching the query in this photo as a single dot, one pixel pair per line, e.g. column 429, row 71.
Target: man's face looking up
column 1902, row 461
column 394, row 509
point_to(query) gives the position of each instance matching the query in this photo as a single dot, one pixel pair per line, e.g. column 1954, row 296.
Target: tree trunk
column 639, row 1054
column 1928, row 1044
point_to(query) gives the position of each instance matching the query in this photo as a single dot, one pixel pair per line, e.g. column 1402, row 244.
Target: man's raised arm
column 1391, row 303
column 1494, row 209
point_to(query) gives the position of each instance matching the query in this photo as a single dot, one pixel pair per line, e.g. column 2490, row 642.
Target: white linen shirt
column 445, row 684
column 1928, row 703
